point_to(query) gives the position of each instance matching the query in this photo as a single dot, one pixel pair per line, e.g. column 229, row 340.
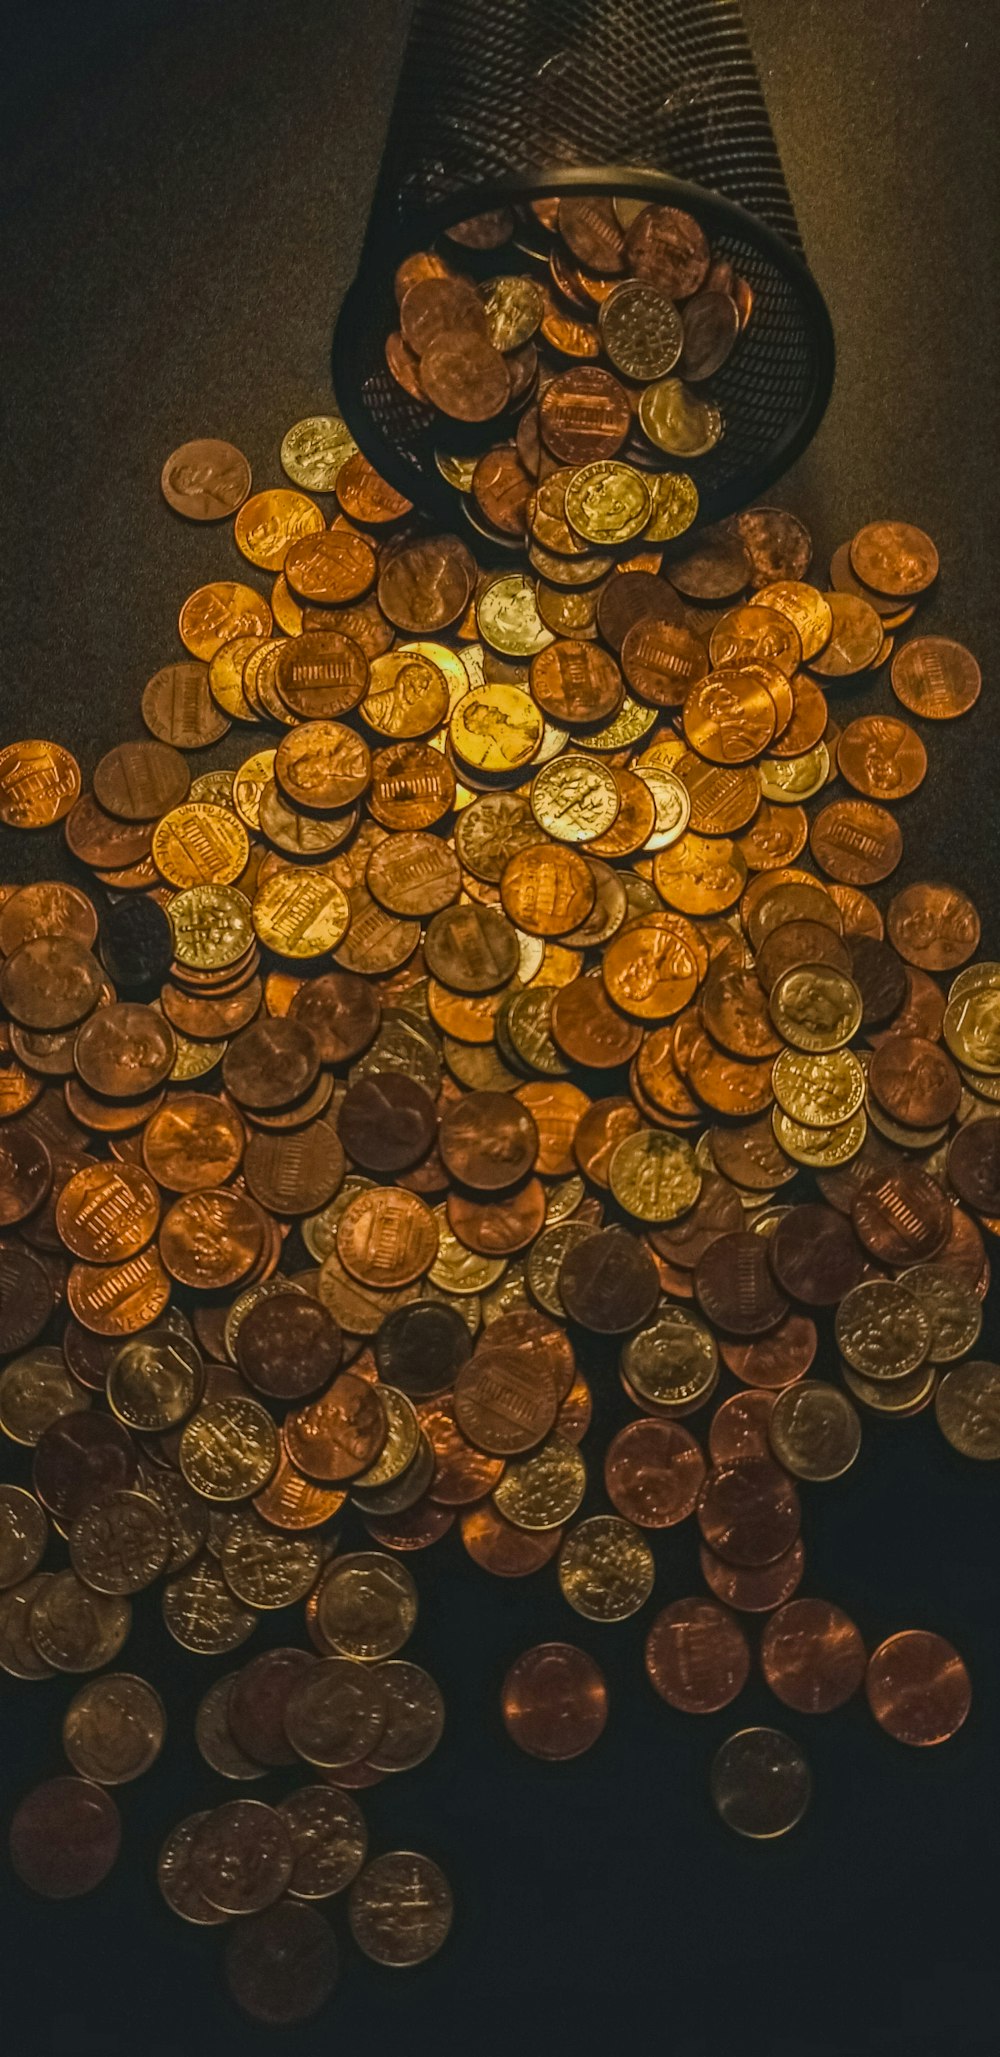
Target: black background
column 185, row 188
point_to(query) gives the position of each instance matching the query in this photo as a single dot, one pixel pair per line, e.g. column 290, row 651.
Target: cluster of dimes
column 496, row 1053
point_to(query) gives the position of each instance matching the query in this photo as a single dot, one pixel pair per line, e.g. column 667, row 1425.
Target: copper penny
column 815, row 1255
column 329, row 567
column 39, row 783
column 64, row 1837
column 79, row 1459
column 735, row 1287
column 271, row 1064
column 538, row 1342
column 697, row 1656
column 856, row 842
column 488, row 1141
column 554, row 1701
column 974, row 1164
column 50, row 984
column 748, row 1511
column 576, row 683
column 107, row 1211
column 936, row 678
column 141, row 781
column 321, row 674
column 903, row 1217
column 339, row 1435
column 599, row 1132
column 915, row 1081
column 463, row 375
column 281, row 1966
column 436, row 305
column 504, row 1405
column 288, row 1346
column 933, row 926
column 422, row 1347
column 125, row 1050
column 25, row 1174
column 669, row 248
column 584, row 415
column 757, row 1589
column 653, row 1472
column 341, row 1011
column 498, row 1227
column 503, row 1550
column 895, row 558
column 462, row 1474
column 739, row 1428
column 295, row 1172
column 425, row 583
column 812, row 1656
column 387, row 1122
column 387, row 1237
column 194, row 1140
column 773, row 1360
column 608, row 1282
column 589, row 1030
column 213, row 1238
column 918, row 1687
column 881, row 757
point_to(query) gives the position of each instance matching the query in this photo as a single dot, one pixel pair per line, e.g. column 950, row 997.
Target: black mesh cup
column 503, row 101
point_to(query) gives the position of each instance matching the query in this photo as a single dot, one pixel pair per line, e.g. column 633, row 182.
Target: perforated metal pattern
column 523, row 96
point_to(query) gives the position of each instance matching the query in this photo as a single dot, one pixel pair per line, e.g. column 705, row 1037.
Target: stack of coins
column 570, row 391
column 491, row 1083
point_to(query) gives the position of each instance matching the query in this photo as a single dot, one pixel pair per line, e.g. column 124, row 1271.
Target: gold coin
column 269, row 523
column 313, row 450
column 819, row 1148
column 881, row 1329
column 654, row 1175
column 299, row 913
column 367, row 1606
column 676, row 421
column 967, row 1404
column 822, row 1089
column 606, row 1568
column 608, row 502
column 496, row 729
column 815, row 1007
column 201, row 1614
column 114, row 1728
column 544, row 1489
column 74, row 1629
column 265, row 1568
column 215, row 614
column 199, row 845
column 36, row 1389
column 400, row 1908
column 574, row 800
column 673, row 1364
column 675, row 506
column 212, row 926
column 229, row 1449
column 508, row 618
column 952, row 1307
column 814, row 1431
column 39, row 783
column 807, row 609
column 972, row 1027
column 249, row 783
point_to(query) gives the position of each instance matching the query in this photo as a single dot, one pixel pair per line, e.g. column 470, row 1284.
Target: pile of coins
column 494, row 1051
column 578, row 384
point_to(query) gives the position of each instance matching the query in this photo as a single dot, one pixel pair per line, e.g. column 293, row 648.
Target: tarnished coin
column 400, row 1908
column 760, row 1783
column 554, row 1701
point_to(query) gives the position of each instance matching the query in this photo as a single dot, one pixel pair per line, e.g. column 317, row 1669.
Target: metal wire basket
column 513, row 100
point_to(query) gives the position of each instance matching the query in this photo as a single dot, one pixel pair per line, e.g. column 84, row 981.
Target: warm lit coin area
column 480, row 1089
